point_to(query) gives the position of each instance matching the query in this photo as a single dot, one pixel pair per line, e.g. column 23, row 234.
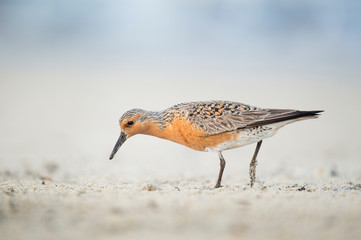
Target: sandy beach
column 88, row 208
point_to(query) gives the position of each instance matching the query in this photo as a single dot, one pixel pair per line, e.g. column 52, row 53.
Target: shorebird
column 210, row 126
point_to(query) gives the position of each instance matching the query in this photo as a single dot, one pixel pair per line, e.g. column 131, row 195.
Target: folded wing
column 217, row 117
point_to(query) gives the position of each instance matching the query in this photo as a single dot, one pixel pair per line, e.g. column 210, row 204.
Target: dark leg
column 252, row 166
column 223, row 164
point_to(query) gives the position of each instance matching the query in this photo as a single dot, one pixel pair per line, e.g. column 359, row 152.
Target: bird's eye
column 130, row 123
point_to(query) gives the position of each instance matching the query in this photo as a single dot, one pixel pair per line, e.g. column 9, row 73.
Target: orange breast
column 183, row 132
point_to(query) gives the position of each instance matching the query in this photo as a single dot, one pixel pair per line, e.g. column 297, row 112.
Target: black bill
column 119, row 143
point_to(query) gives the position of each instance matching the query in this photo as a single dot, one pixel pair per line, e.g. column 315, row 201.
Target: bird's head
column 131, row 123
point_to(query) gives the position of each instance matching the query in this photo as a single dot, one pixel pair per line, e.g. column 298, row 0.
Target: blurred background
column 69, row 69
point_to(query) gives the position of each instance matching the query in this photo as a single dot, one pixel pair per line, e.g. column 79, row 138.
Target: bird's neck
column 154, row 124
column 168, row 125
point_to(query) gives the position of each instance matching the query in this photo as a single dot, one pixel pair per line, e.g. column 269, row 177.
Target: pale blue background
column 69, row 69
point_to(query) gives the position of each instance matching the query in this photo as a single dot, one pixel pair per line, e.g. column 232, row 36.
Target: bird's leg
column 222, row 165
column 253, row 164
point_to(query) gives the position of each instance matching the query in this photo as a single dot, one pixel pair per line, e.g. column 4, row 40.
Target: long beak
column 119, row 143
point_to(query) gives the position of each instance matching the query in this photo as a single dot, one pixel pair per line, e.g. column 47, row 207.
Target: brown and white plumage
column 210, row 126
column 215, row 117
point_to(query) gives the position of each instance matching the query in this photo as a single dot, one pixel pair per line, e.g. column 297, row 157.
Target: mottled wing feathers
column 215, row 117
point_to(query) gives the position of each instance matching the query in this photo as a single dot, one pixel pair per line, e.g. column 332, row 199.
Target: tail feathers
column 277, row 115
column 315, row 114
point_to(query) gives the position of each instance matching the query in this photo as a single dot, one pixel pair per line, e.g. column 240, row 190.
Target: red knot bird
column 210, row 126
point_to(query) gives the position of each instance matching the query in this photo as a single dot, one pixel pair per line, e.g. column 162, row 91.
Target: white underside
column 249, row 136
